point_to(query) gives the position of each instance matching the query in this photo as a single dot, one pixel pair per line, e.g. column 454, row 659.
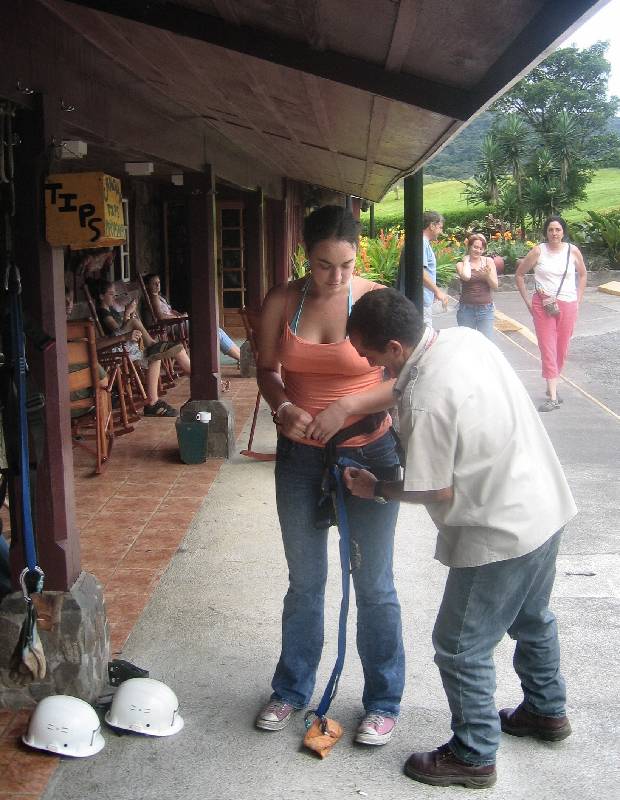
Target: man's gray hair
column 430, row 217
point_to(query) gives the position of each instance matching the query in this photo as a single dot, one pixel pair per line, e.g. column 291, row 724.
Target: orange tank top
column 316, row 375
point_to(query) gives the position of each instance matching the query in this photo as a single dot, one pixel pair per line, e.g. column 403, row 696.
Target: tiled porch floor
column 132, row 519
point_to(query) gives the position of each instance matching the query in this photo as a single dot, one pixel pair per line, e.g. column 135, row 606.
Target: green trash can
column 193, row 439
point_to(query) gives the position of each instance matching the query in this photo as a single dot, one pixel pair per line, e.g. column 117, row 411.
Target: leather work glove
column 322, row 735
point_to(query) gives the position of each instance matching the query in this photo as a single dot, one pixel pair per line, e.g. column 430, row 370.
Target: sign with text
column 84, row 209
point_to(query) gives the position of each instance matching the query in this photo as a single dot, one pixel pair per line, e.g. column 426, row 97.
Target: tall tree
column 547, row 131
column 572, row 81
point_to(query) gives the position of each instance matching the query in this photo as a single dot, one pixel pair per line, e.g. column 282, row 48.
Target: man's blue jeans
column 480, row 605
column 299, row 470
column 226, row 343
column 478, row 317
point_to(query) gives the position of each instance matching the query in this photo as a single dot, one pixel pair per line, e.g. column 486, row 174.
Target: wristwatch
column 378, row 495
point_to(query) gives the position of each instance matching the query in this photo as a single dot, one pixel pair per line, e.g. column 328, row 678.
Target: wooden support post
column 254, row 249
column 281, row 270
column 373, row 226
column 205, row 377
column 414, row 269
column 42, row 273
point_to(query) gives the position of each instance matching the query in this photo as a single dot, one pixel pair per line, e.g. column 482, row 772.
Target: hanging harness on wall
column 28, row 660
column 322, row 733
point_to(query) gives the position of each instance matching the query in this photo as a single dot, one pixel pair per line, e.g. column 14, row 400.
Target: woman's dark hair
column 555, row 218
column 99, row 287
column 330, row 222
column 385, row 314
column 149, row 277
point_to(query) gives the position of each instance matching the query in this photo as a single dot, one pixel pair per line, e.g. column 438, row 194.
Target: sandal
column 161, row 350
column 549, row 405
column 557, row 396
column 160, row 409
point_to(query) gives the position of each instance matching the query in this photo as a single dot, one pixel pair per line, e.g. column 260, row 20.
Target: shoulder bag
column 550, row 305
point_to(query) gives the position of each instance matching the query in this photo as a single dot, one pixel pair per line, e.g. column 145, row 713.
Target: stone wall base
column 247, row 367
column 221, row 427
column 74, row 633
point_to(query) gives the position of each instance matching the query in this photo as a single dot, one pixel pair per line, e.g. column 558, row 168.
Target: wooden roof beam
column 448, row 101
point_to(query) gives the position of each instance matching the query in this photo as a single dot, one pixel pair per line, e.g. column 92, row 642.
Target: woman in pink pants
column 555, row 302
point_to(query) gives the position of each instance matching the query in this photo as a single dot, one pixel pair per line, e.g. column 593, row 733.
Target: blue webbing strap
column 345, row 565
column 13, row 284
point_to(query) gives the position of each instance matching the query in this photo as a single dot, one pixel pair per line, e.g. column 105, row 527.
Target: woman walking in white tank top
column 555, row 303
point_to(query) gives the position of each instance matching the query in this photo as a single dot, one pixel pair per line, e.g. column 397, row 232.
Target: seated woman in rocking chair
column 115, row 322
column 163, row 310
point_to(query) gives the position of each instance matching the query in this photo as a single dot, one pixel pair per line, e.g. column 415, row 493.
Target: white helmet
column 144, row 705
column 65, row 725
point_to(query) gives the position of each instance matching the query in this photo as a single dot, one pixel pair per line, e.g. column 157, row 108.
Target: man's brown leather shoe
column 441, row 767
column 521, row 722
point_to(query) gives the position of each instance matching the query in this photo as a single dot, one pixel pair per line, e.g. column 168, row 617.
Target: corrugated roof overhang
column 347, row 94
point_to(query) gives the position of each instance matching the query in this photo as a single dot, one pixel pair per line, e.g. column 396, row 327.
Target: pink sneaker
column 274, row 716
column 375, row 729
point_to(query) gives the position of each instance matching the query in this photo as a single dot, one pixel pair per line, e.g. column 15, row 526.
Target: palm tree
column 513, row 139
column 563, row 140
column 486, row 183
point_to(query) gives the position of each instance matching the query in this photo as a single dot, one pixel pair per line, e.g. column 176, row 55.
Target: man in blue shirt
column 433, row 228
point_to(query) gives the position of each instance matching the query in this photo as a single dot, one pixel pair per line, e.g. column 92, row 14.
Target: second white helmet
column 144, row 705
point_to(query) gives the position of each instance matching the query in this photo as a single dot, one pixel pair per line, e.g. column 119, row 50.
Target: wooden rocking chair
column 176, row 329
column 251, row 322
column 90, row 402
column 122, row 372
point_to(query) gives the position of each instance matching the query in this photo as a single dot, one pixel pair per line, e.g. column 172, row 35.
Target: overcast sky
column 604, row 25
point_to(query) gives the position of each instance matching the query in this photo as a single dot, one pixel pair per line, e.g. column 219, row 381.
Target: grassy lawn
column 446, row 197
column 603, row 194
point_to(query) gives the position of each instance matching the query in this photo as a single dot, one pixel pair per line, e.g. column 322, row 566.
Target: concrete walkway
column 212, row 628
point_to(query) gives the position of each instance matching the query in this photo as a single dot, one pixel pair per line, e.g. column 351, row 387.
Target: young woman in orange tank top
column 306, row 369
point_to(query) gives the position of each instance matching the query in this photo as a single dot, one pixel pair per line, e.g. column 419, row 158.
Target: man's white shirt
column 466, row 421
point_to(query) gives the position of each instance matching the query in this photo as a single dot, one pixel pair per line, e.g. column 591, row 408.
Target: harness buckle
column 22, row 581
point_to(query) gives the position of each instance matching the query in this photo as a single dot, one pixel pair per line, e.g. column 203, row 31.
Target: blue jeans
column 299, row 470
column 480, row 605
column 478, row 317
column 226, row 343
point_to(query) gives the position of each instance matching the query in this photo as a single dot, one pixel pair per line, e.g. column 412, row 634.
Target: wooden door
column 232, row 269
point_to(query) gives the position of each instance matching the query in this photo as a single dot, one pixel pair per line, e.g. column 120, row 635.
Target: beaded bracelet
column 274, row 414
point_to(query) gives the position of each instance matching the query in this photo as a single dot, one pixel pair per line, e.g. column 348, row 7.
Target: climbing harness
column 322, row 733
column 28, row 660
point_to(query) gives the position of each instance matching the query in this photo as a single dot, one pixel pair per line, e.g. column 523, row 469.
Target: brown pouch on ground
column 322, row 735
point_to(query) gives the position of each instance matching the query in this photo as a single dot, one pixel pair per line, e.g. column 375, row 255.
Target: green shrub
column 509, row 248
column 378, row 258
column 385, row 221
column 395, row 219
column 448, row 252
column 600, row 234
column 464, row 218
column 299, row 262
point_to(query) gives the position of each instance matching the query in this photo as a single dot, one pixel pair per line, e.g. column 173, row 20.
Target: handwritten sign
column 84, row 209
